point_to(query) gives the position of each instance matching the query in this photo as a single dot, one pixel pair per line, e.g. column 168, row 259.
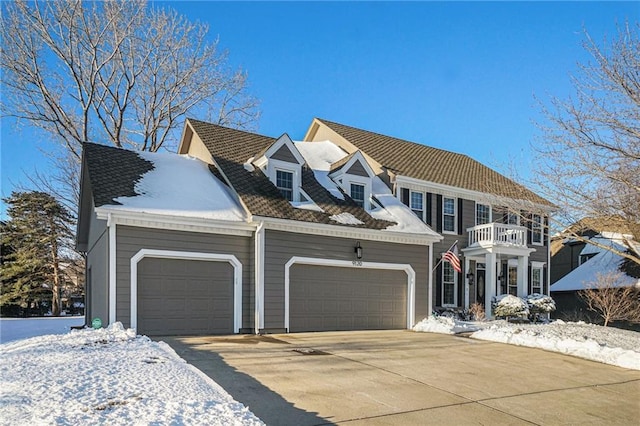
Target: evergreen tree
column 38, row 231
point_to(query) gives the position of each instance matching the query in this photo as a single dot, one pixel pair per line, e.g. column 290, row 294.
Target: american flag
column 451, row 256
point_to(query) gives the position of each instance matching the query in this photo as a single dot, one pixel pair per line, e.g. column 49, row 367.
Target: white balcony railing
column 497, row 234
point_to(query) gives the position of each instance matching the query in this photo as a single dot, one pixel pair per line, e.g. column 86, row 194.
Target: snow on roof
column 591, row 249
column 602, row 263
column 181, row 185
column 321, row 155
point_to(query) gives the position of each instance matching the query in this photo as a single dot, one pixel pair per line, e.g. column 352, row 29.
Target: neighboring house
column 576, row 264
column 256, row 234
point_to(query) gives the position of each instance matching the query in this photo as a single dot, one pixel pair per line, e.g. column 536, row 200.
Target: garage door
column 323, row 298
column 184, row 297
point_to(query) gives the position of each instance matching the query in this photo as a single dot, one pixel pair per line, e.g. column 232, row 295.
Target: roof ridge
column 394, row 137
column 247, row 132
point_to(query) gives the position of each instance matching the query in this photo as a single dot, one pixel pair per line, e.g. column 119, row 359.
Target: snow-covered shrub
column 540, row 304
column 507, row 305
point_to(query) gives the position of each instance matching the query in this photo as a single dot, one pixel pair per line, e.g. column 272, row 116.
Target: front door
column 480, row 286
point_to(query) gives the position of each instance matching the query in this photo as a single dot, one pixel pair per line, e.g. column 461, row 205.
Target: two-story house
column 345, row 230
column 500, row 227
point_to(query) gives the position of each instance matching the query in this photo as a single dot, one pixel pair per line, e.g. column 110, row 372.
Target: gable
column 284, row 154
column 358, row 169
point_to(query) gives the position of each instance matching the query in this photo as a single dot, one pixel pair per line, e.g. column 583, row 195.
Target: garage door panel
column 333, row 298
column 185, row 297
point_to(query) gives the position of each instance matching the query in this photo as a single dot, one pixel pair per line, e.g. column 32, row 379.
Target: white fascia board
column 176, row 223
column 300, row 227
column 482, row 197
column 357, row 156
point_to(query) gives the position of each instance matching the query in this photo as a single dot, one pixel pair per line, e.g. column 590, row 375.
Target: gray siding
column 284, row 154
column 357, row 169
column 282, row 246
column 468, row 219
column 129, row 240
column 97, row 289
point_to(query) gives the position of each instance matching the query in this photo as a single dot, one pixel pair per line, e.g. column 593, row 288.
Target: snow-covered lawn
column 108, row 376
column 604, row 344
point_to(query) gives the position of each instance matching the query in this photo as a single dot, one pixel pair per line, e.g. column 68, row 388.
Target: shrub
column 506, row 305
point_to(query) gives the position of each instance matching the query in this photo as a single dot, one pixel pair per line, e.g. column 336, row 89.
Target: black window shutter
column 438, row 301
column 530, row 289
column 439, row 213
column 429, row 206
column 544, row 281
column 528, row 218
column 404, row 196
column 460, row 230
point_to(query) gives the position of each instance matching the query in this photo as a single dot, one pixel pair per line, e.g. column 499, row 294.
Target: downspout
column 111, row 226
column 430, row 295
column 259, row 277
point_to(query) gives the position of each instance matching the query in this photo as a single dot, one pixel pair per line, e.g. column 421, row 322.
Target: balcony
column 497, row 234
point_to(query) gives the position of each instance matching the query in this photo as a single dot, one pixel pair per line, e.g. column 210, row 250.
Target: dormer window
column 284, row 182
column 358, row 194
column 354, row 175
column 282, row 164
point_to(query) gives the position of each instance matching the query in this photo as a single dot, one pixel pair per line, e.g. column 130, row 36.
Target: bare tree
column 117, row 72
column 611, row 301
column 588, row 156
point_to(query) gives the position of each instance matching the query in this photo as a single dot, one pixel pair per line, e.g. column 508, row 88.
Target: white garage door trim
column 411, row 279
column 188, row 255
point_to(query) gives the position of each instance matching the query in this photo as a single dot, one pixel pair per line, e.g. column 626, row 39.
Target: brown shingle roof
column 432, row 164
column 113, row 172
column 231, row 148
column 340, row 163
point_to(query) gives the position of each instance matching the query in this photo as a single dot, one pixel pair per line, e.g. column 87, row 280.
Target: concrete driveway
column 408, row 378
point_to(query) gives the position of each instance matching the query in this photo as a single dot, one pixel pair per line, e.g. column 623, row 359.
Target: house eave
column 175, row 223
column 346, row 232
column 419, row 184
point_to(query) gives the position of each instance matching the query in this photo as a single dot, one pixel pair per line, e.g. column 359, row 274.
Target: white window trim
column 533, row 222
column 475, row 212
column 455, row 215
column 275, row 181
column 411, row 280
column 283, row 166
column 348, row 179
column 540, row 266
column 455, row 289
column 186, row 255
column 411, row 192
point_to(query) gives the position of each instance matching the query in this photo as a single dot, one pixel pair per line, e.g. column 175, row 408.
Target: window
column 585, row 257
column 536, row 280
column 449, row 214
column 448, row 285
column 536, row 229
column 483, row 214
column 284, row 182
column 513, row 218
column 416, row 204
column 357, row 194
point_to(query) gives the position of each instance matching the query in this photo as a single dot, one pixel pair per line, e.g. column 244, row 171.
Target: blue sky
column 460, row 76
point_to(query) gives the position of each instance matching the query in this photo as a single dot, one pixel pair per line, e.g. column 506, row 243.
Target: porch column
column 489, row 283
column 523, row 275
column 466, row 282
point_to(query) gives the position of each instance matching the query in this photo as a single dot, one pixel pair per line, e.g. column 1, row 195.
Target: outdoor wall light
column 470, row 277
column 358, row 250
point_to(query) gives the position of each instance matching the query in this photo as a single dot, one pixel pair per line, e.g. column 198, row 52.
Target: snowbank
column 108, row 376
column 603, row 344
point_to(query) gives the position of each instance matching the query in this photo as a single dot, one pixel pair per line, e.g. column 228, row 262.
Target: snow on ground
column 21, row 328
column 604, row 344
column 108, row 376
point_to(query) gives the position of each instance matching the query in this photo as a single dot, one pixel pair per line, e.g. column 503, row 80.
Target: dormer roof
column 354, row 164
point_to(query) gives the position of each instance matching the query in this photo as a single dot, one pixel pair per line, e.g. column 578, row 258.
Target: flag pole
column 440, row 261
